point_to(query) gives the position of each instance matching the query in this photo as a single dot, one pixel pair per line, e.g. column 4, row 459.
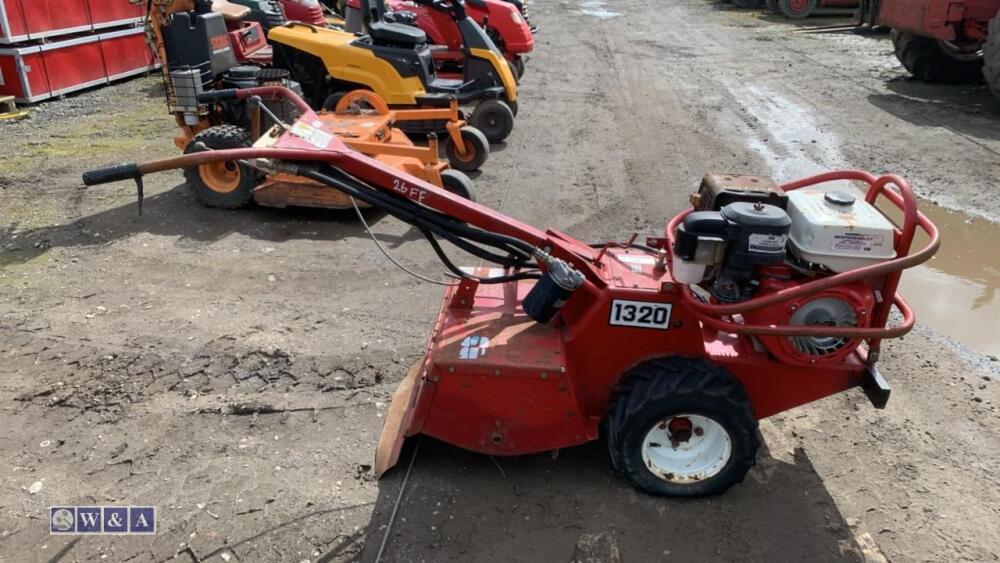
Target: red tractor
column 950, row 41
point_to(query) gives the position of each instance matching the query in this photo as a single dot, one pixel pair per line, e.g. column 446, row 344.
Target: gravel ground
column 233, row 368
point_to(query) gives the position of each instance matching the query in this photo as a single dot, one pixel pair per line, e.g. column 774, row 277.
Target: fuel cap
column 839, row 198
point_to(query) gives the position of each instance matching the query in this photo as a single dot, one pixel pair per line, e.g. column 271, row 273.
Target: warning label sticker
column 857, row 242
column 774, row 244
column 312, row 135
column 637, row 259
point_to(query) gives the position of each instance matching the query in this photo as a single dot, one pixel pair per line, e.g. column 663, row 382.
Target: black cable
column 431, row 222
column 530, row 274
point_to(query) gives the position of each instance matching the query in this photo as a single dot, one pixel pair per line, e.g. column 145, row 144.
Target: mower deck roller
column 562, row 342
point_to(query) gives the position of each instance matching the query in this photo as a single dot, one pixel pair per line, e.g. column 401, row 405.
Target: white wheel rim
column 701, row 456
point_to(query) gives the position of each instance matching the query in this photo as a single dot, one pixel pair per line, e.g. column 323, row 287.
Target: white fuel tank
column 838, row 229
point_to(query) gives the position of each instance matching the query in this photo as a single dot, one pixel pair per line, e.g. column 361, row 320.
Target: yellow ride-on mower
column 395, row 62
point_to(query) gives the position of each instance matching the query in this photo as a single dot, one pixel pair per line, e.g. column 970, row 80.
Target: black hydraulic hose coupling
column 551, row 291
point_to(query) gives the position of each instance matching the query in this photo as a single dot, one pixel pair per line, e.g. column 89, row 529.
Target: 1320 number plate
column 641, row 314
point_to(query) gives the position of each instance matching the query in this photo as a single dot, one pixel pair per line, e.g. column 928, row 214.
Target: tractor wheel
column 938, row 61
column 796, row 9
column 494, row 118
column 771, row 5
column 682, row 427
column 459, row 184
column 746, row 4
column 226, row 185
column 991, row 57
column 330, row 104
column 513, row 70
column 477, row 149
column 519, row 67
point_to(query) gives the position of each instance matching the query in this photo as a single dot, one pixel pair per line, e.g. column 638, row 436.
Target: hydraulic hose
column 432, row 223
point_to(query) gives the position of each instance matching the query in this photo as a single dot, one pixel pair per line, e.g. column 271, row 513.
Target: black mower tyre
column 477, row 150
column 796, row 9
column 224, row 185
column 991, row 57
column 494, row 118
column 771, row 5
column 331, row 101
column 513, row 70
column 519, row 67
column 716, row 419
column 927, row 60
column 459, row 184
column 746, row 4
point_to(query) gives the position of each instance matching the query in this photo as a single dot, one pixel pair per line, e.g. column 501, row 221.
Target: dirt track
column 232, row 368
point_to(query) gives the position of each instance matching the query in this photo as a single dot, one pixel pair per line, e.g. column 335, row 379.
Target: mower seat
column 230, row 12
column 396, row 34
column 403, row 17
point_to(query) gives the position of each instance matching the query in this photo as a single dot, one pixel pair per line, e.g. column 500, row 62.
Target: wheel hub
column 686, row 448
column 222, row 177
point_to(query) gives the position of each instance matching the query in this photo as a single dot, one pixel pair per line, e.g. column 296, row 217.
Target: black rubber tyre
column 749, row 4
column 796, row 9
column 519, row 67
column 227, row 185
column 513, row 107
column 657, row 389
column 771, row 5
column 459, row 184
column 494, row 118
column 513, row 70
column 991, row 57
column 331, row 101
column 927, row 60
column 477, row 150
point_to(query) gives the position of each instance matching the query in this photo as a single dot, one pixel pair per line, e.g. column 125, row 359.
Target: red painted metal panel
column 125, row 53
column 941, row 19
column 44, row 18
column 111, row 12
column 74, row 64
column 24, row 74
column 13, row 26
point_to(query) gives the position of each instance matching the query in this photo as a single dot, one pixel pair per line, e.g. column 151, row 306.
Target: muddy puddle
column 957, row 293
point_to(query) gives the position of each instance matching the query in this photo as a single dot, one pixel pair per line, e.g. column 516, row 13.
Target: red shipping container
column 23, row 20
column 35, row 73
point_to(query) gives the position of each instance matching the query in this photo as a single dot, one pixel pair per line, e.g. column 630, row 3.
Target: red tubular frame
column 711, row 314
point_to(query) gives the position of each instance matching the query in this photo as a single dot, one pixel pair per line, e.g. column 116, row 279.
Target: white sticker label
column 637, row 259
column 642, row 314
column 858, row 242
column 1, row 77
column 774, row 244
column 315, row 137
column 473, row 347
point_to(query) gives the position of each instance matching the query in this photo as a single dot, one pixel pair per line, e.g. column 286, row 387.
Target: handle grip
column 216, row 96
column 110, row 174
